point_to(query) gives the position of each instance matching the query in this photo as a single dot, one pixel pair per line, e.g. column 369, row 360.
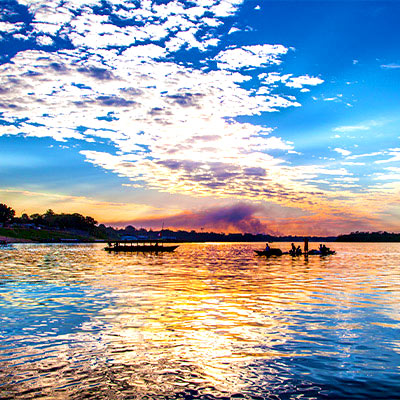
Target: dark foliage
column 369, row 237
column 63, row 221
column 6, row 214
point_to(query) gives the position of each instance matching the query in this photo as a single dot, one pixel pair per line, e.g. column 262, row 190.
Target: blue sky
column 273, row 116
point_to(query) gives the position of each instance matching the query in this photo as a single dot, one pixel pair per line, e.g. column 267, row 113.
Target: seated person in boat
column 323, row 249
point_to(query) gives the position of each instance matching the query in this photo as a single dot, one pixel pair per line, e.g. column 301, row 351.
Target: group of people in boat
column 297, row 251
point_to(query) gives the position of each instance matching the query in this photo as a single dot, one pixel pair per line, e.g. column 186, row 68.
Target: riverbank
column 21, row 235
column 9, row 239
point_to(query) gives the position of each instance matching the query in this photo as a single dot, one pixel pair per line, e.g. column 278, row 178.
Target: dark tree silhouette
column 6, row 214
column 369, row 237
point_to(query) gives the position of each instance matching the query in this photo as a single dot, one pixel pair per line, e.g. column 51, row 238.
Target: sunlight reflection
column 208, row 317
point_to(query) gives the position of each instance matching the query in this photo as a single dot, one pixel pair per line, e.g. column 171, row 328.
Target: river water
column 209, row 321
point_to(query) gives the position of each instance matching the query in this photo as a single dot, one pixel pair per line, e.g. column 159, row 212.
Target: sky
column 279, row 117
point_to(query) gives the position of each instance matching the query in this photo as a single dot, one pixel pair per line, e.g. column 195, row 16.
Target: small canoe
column 320, row 253
column 270, row 252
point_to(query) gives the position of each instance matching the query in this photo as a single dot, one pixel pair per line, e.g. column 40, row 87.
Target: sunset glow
column 227, row 115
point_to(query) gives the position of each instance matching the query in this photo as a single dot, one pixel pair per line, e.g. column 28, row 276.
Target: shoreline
column 10, row 239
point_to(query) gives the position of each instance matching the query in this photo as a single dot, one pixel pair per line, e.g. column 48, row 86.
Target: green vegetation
column 41, row 235
column 50, row 227
column 59, row 221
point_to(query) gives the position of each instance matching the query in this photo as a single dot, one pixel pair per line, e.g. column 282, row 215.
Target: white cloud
column 233, row 30
column 305, row 80
column 390, row 173
column 373, row 154
column 273, row 77
column 250, row 56
column 8, row 27
column 225, row 8
column 343, row 152
column 352, row 163
column 347, row 179
column 390, row 66
column 395, row 153
column 276, row 143
column 331, row 99
column 44, row 40
column 76, row 21
column 351, row 128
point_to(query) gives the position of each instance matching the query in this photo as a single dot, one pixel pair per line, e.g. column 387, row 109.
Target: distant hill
column 369, row 237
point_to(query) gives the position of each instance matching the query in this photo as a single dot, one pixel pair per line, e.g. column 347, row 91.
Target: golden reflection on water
column 199, row 318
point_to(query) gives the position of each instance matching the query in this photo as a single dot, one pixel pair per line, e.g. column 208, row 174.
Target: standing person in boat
column 306, row 246
column 267, row 248
column 292, row 251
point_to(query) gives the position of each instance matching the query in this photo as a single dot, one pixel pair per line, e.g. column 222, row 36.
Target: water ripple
column 209, row 321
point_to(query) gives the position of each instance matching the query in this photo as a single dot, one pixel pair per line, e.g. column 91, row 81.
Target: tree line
column 49, row 219
column 380, row 236
column 78, row 222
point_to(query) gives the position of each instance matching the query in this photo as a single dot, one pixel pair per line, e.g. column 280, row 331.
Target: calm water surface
column 210, row 321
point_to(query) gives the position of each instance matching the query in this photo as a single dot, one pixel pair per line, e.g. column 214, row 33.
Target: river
column 209, row 321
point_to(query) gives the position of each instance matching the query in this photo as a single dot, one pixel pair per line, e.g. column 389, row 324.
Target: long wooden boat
column 144, row 246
